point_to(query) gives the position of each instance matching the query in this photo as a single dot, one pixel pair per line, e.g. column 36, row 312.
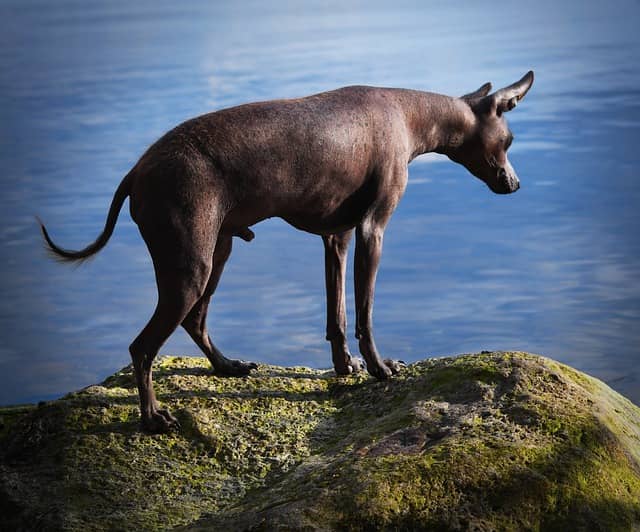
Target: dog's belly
column 322, row 226
column 331, row 203
column 329, row 217
column 321, row 223
column 324, row 209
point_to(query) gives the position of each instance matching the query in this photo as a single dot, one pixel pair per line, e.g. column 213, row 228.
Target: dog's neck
column 437, row 123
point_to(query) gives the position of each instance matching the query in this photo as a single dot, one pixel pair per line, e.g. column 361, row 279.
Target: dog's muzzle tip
column 504, row 187
column 512, row 184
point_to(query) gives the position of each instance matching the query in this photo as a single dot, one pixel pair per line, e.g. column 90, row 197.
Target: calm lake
column 553, row 269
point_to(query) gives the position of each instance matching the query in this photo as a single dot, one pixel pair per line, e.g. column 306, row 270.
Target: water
column 552, row 269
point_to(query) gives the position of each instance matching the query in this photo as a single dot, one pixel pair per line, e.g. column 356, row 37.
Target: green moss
column 447, row 444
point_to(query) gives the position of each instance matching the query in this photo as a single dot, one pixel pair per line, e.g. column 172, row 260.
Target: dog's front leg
column 369, row 236
column 335, row 263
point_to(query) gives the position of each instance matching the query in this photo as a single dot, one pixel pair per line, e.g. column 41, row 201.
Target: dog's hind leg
column 196, row 321
column 182, row 262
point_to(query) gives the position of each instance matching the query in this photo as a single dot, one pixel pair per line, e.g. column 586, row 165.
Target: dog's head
column 483, row 150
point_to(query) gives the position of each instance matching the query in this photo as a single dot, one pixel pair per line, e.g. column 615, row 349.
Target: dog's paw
column 160, row 422
column 170, row 418
column 356, row 365
column 380, row 372
column 388, row 368
column 351, row 366
column 395, row 365
column 236, row 368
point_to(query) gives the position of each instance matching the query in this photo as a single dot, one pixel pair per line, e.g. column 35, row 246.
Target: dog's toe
column 171, row 419
column 381, row 372
column 394, row 365
column 236, row 368
column 244, row 368
column 356, row 364
column 160, row 422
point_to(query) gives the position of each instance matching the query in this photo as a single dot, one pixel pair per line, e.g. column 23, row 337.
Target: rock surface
column 494, row 441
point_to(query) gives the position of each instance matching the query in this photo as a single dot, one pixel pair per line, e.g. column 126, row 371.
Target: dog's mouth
column 504, row 188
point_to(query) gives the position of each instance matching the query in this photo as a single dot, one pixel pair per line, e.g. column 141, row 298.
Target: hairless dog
column 327, row 164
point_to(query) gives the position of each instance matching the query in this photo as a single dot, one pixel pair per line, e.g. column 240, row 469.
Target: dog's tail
column 66, row 255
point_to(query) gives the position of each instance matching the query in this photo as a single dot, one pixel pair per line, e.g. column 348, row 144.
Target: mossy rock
column 494, row 441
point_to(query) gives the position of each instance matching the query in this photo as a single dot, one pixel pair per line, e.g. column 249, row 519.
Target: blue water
column 552, row 269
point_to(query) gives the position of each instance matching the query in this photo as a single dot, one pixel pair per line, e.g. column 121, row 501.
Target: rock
column 495, row 441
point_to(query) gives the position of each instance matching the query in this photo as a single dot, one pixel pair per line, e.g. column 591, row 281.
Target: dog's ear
column 479, row 93
column 504, row 100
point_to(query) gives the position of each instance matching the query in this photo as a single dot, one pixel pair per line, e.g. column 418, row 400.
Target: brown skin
column 327, row 164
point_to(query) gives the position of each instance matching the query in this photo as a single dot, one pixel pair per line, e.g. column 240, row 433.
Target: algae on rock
column 495, row 441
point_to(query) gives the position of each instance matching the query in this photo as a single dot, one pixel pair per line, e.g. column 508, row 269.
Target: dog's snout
column 505, row 182
column 513, row 183
column 509, row 178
